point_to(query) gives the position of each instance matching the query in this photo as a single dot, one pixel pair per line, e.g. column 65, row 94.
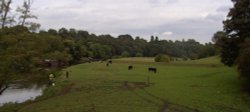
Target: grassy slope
column 211, row 60
column 177, row 88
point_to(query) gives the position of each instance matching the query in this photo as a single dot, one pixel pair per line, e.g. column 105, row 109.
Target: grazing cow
column 107, row 64
column 151, row 69
column 110, row 61
column 67, row 74
column 130, row 67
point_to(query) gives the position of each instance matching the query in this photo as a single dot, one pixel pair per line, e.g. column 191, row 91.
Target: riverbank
column 48, row 92
column 26, row 88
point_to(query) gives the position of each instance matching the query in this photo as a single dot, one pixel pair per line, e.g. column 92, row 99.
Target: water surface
column 19, row 95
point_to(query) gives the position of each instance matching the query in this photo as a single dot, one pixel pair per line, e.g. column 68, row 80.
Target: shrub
column 162, row 58
column 138, row 55
column 125, row 54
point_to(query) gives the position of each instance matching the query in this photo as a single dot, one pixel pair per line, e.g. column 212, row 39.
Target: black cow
column 107, row 64
column 110, row 61
column 67, row 74
column 151, row 69
column 130, row 67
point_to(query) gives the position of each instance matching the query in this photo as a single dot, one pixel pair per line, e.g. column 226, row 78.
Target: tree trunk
column 5, row 11
column 2, row 89
column 3, row 86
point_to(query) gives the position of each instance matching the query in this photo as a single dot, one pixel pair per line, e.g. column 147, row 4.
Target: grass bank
column 176, row 87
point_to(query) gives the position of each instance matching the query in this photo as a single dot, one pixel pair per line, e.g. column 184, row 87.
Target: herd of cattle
column 130, row 67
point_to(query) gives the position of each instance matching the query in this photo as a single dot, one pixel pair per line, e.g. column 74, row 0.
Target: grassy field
column 191, row 86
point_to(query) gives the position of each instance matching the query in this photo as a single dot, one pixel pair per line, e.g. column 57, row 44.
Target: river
column 19, row 95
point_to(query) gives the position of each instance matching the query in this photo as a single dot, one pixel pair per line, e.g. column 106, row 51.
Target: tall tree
column 25, row 13
column 4, row 11
column 152, row 39
column 234, row 41
column 236, row 27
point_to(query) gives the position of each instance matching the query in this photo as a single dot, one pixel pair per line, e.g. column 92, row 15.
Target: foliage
column 138, row 55
column 234, row 41
column 162, row 58
column 5, row 18
column 125, row 54
column 25, row 13
column 243, row 60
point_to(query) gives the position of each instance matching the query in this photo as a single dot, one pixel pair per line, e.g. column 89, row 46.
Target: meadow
column 183, row 86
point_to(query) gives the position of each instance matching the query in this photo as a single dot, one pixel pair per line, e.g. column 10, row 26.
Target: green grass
column 210, row 60
column 177, row 88
column 136, row 59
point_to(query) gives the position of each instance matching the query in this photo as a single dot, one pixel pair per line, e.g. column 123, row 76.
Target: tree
column 243, row 60
column 73, row 32
column 34, row 26
column 63, row 32
column 100, row 51
column 60, row 56
column 4, row 13
column 235, row 42
column 125, row 54
column 25, row 13
column 162, row 58
column 219, row 37
column 52, row 32
column 156, row 38
column 236, row 27
column 152, row 39
column 138, row 55
column 208, row 50
column 237, row 24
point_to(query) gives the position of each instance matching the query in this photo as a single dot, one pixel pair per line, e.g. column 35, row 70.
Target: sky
column 167, row 19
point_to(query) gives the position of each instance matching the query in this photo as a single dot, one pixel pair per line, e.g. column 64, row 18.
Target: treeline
column 107, row 46
column 21, row 49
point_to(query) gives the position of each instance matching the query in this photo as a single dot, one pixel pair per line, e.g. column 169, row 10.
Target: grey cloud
column 224, row 8
column 172, row 1
column 199, row 29
column 215, row 17
column 142, row 18
column 163, row 1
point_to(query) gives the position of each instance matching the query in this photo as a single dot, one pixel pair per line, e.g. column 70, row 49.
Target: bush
column 125, row 54
column 162, row 58
column 138, row 55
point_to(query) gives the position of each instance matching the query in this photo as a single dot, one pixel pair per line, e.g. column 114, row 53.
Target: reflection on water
column 20, row 94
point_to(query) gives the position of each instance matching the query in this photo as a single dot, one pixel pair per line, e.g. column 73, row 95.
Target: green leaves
column 162, row 58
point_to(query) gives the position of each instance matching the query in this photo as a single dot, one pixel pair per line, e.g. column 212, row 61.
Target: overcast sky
column 167, row 19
